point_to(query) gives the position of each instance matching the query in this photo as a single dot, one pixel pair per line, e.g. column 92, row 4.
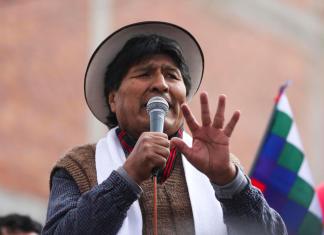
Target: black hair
column 135, row 50
column 19, row 223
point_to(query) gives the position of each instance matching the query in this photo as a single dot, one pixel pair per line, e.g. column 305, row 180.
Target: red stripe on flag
column 258, row 184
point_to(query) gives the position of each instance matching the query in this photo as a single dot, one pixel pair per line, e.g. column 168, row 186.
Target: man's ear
column 112, row 101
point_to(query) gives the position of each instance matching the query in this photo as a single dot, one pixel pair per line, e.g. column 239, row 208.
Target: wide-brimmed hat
column 109, row 48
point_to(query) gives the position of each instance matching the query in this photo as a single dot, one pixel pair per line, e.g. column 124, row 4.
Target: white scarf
column 206, row 209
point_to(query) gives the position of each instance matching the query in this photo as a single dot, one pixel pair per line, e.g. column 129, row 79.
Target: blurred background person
column 15, row 224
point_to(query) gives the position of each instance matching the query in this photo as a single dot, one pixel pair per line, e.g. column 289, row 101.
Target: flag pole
column 282, row 89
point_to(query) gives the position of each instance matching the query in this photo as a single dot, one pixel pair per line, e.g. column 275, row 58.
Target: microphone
column 157, row 107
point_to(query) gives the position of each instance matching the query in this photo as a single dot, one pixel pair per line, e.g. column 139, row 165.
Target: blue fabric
column 273, row 146
column 282, row 179
column 298, row 211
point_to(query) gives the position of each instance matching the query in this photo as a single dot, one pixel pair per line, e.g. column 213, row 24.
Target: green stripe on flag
column 301, row 192
column 311, row 225
column 291, row 158
column 281, row 124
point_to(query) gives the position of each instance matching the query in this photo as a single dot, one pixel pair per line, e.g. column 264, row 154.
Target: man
column 107, row 188
column 15, row 224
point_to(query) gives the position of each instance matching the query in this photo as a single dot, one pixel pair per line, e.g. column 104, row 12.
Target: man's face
column 155, row 76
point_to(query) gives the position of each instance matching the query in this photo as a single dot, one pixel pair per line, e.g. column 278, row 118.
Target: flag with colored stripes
column 281, row 172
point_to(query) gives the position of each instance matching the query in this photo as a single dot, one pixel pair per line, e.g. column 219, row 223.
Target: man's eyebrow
column 146, row 67
column 171, row 68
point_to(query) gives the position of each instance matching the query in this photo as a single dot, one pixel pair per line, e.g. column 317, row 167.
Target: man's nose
column 159, row 83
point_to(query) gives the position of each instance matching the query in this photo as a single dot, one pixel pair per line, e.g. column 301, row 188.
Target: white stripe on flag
column 283, row 105
column 315, row 207
column 305, row 173
column 293, row 137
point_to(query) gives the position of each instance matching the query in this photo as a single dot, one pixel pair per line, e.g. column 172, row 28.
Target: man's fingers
column 231, row 125
column 190, row 119
column 154, row 138
column 205, row 113
column 162, row 151
column 180, row 145
column 158, row 161
column 219, row 116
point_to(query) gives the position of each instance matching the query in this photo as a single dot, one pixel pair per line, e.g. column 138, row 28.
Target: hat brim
column 108, row 49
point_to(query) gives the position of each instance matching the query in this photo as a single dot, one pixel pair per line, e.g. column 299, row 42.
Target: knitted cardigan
column 80, row 164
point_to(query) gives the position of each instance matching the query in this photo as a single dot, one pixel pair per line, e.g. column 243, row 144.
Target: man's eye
column 143, row 75
column 172, row 76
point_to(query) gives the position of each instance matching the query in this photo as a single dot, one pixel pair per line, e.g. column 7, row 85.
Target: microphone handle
column 157, row 120
column 157, row 125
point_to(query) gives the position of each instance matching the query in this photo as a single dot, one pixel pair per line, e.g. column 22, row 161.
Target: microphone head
column 157, row 103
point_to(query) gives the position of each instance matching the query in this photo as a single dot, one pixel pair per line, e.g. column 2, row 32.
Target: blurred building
column 251, row 47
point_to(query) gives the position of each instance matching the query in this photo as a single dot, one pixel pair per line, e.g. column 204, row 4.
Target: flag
column 281, row 172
